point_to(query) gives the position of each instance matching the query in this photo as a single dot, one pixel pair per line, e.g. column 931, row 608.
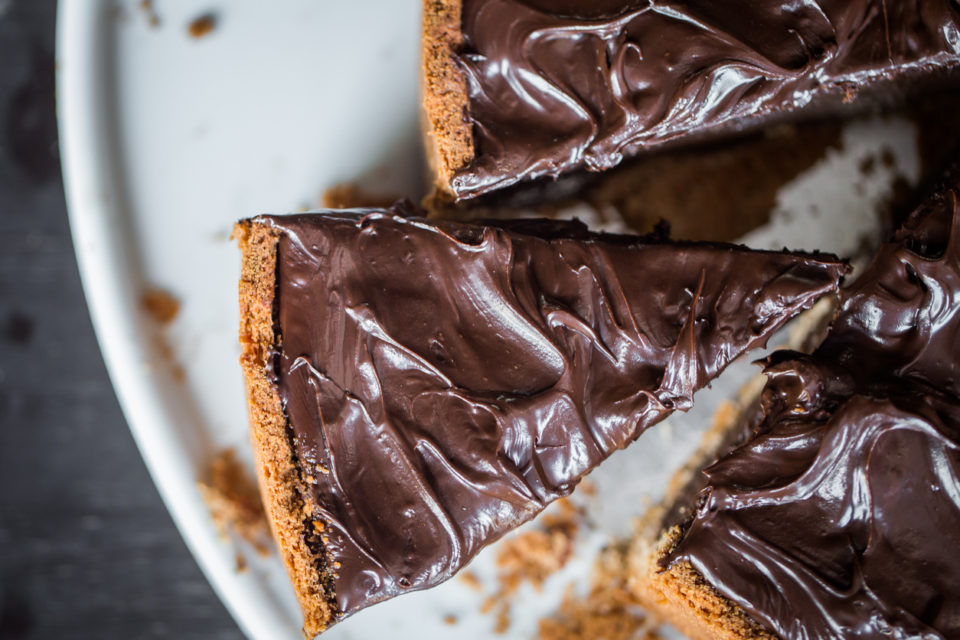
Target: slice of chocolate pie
column 521, row 89
column 840, row 515
column 418, row 388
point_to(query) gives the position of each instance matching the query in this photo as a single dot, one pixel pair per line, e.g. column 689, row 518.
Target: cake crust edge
column 679, row 594
column 278, row 473
column 447, row 130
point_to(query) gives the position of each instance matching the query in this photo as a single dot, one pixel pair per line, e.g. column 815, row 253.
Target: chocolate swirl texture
column 840, row 518
column 558, row 86
column 444, row 382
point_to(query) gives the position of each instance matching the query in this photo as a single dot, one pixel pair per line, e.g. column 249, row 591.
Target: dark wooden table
column 87, row 549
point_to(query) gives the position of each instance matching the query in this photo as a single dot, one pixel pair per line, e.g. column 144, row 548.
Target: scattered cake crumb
column 600, row 616
column 888, row 158
column 532, row 557
column 488, row 604
column 161, row 305
column 202, row 26
column 349, row 195
column 607, row 612
column 450, row 620
column 471, row 580
column 535, row 555
column 147, row 7
column 849, row 92
column 725, row 414
column 503, row 619
column 166, row 354
column 163, row 308
column 234, row 502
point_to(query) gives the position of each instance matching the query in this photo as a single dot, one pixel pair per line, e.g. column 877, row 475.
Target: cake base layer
column 279, row 475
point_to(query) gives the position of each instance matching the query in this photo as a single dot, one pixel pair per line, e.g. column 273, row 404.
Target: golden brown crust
column 447, row 130
column 277, row 470
column 682, row 597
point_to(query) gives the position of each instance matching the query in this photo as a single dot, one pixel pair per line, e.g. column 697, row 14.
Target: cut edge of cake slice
column 680, row 595
column 280, row 480
column 447, row 129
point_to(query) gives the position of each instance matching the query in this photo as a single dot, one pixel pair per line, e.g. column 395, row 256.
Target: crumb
column 147, row 7
column 596, row 617
column 608, row 611
column 241, row 563
column 161, row 305
column 503, row 619
column 202, row 26
column 888, row 158
column 535, row 555
column 471, row 580
column 234, row 502
column 450, row 620
column 725, row 414
column 166, row 354
column 896, row 208
column 349, row 195
column 849, row 92
column 488, row 605
column 163, row 308
column 532, row 557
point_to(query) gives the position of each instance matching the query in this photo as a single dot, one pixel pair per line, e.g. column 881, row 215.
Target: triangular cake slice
column 418, row 388
column 839, row 517
column 516, row 90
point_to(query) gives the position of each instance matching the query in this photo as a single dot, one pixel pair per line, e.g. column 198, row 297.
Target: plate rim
column 104, row 259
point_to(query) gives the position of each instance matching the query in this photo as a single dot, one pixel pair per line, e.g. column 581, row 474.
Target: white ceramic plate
column 168, row 140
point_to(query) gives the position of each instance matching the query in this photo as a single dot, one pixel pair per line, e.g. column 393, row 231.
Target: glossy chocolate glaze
column 579, row 84
column 444, row 382
column 841, row 517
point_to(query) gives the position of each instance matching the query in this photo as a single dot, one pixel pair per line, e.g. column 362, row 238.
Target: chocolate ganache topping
column 582, row 84
column 444, row 382
column 840, row 518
